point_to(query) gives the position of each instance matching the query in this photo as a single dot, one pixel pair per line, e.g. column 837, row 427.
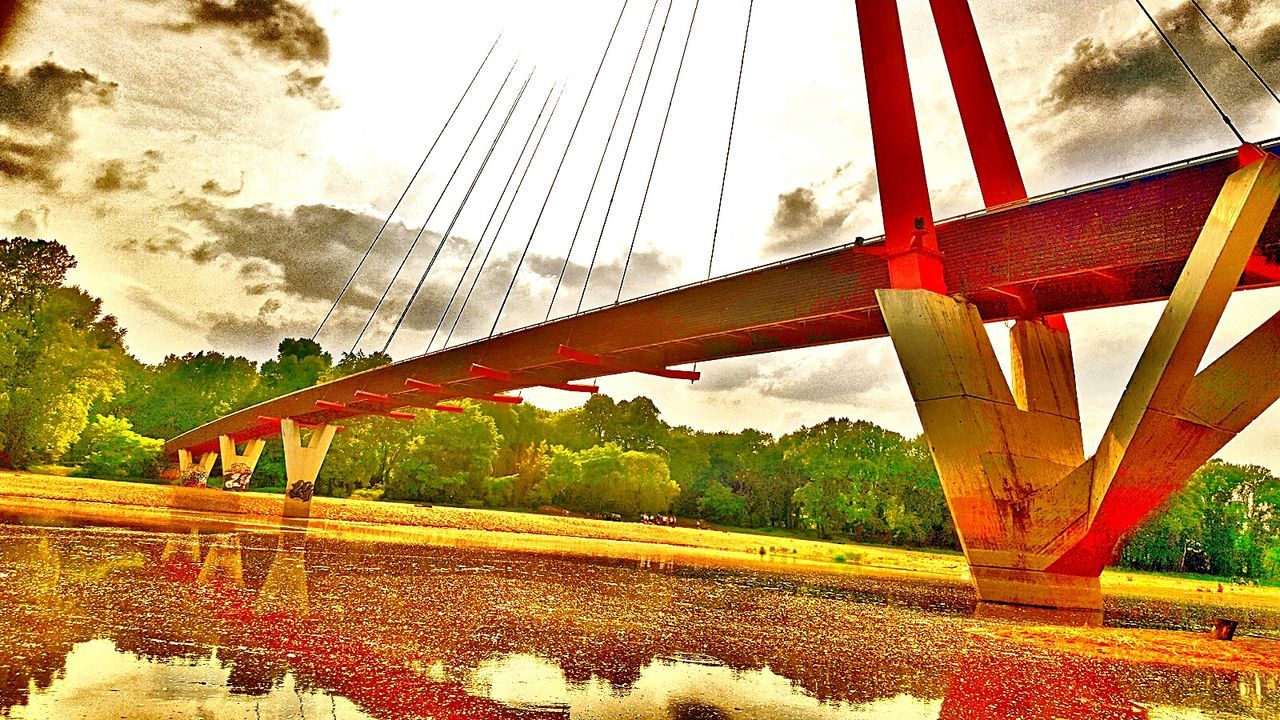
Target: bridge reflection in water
column 306, row 621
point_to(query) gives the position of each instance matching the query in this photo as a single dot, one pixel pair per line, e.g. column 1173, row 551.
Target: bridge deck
column 1115, row 243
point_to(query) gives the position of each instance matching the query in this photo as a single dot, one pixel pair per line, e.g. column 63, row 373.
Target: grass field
column 519, row 530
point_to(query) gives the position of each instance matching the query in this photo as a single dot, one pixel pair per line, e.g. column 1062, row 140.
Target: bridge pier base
column 1041, row 589
column 237, row 469
column 302, row 464
column 1039, row 522
column 195, row 473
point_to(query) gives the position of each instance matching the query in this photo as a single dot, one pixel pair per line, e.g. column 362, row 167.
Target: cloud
column 802, row 223
column 853, row 374
column 278, row 28
column 30, row 222
column 302, row 256
column 118, row 175
column 1114, row 85
column 312, row 247
column 214, row 188
column 36, row 124
column 310, row 87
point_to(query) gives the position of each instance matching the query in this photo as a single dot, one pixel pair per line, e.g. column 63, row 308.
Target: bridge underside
column 1116, row 244
column 1038, row 520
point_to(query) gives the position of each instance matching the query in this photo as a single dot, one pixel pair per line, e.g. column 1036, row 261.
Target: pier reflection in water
column 196, row 617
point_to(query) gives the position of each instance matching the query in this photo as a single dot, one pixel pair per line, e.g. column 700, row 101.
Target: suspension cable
column 1236, row 50
column 1190, row 72
column 412, row 179
column 556, row 177
column 466, row 151
column 493, row 214
column 608, row 141
column 506, row 214
column 626, row 150
column 444, row 238
column 658, row 149
column 733, row 119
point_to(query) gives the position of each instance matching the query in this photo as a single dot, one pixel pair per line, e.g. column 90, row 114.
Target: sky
column 218, row 167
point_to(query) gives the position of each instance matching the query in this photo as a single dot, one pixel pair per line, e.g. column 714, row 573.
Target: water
column 193, row 617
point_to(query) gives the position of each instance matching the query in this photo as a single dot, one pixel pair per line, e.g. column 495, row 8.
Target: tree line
column 71, row 393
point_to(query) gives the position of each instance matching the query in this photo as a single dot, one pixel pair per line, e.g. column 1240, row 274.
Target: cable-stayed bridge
column 1037, row 517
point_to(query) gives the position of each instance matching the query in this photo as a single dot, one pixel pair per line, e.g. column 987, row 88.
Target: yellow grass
column 109, row 500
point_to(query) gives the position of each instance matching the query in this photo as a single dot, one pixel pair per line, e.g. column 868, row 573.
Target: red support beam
column 489, row 373
column 422, row 386
column 573, row 387
column 338, row 407
column 984, row 125
column 912, row 247
column 587, row 358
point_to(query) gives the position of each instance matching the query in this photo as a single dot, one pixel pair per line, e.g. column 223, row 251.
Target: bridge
column 1038, row 520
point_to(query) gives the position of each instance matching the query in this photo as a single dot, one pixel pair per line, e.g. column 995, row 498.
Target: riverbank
column 21, row 491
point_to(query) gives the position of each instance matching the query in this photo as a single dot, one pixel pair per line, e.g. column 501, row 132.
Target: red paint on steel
column 489, row 373
column 570, row 387
column 1115, row 243
column 904, row 191
column 984, row 127
column 422, row 386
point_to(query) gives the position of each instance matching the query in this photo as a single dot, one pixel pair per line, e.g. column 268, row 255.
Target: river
column 197, row 617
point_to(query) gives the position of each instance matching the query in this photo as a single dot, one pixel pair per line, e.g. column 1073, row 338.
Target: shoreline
column 502, row 529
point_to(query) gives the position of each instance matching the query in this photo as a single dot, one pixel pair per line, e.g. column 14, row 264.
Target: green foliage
column 606, row 479
column 721, row 505
column 59, row 356
column 300, row 364
column 446, row 458
column 109, row 448
column 187, row 391
column 1226, row 523
column 29, row 268
column 352, row 363
column 868, row 483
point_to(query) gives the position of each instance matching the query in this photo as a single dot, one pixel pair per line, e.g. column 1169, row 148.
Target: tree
column 109, row 448
column 355, row 362
column 447, row 457
column 364, row 456
column 722, row 505
column 29, row 268
column 59, row 358
column 301, row 363
column 868, row 482
column 190, row 390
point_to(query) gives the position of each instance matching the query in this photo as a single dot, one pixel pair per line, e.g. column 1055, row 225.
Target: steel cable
column 412, row 179
column 448, row 183
column 657, row 150
column 444, row 238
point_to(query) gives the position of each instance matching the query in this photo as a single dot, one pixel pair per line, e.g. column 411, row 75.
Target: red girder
column 1050, row 252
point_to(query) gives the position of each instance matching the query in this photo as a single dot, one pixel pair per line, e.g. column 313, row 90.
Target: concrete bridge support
column 302, row 464
column 195, row 473
column 1038, row 521
column 237, row 468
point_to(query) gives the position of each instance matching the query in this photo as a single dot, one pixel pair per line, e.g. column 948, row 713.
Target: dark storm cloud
column 311, row 88
column 36, row 124
column 118, row 175
column 279, row 28
column 1125, row 101
column 800, row 224
column 314, row 246
column 1100, row 73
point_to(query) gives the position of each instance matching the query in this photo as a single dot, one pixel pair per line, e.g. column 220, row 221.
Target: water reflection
column 303, row 621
